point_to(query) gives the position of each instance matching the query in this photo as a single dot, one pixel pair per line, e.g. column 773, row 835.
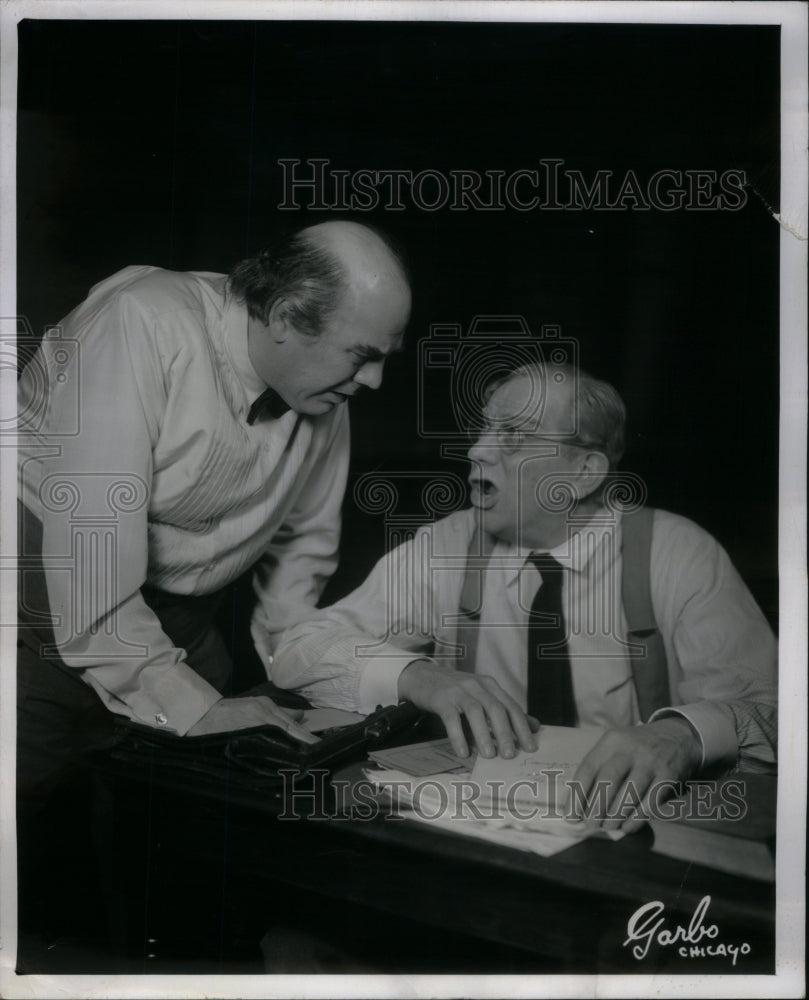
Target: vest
column 646, row 651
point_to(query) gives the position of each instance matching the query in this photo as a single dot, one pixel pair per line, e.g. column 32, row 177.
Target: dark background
column 158, row 142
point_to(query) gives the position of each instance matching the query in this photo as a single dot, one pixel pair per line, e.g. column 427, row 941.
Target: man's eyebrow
column 374, row 353
column 513, row 423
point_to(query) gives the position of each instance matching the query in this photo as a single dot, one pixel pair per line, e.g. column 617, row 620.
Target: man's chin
column 316, row 406
column 491, row 522
column 499, row 526
column 328, row 400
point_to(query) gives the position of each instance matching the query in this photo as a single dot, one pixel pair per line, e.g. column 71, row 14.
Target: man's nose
column 370, row 374
column 484, row 447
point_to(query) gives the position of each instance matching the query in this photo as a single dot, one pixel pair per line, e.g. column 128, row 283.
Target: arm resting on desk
column 371, row 649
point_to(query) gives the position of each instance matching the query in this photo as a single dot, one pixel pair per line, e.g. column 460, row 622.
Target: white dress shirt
column 721, row 652
column 136, row 455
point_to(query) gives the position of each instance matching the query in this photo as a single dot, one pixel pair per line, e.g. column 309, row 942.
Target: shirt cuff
column 175, row 701
column 379, row 680
column 717, row 733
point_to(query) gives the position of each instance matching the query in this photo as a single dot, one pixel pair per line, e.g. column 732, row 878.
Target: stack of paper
column 421, row 759
column 539, row 779
column 514, row 802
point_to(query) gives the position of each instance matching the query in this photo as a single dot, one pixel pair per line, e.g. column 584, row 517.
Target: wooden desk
column 222, row 855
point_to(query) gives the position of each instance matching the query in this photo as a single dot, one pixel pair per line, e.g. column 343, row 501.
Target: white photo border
column 789, row 978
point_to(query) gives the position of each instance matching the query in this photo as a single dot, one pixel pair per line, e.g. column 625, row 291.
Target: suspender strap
column 648, row 653
column 480, row 552
column 648, row 658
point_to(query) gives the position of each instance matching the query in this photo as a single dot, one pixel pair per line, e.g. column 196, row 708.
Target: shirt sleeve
column 87, row 478
column 722, row 652
column 351, row 654
column 291, row 575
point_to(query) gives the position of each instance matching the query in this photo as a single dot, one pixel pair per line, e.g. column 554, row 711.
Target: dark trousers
column 63, row 828
column 60, row 718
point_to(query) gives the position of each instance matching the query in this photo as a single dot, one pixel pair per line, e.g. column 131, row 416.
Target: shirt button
column 270, row 658
column 161, row 720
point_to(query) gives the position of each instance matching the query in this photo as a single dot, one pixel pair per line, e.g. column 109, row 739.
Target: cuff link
column 161, row 720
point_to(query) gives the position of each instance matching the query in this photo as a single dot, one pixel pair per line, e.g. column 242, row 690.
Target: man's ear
column 278, row 321
column 592, row 472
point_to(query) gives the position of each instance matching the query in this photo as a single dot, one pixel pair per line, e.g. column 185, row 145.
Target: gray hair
column 311, row 278
column 601, row 411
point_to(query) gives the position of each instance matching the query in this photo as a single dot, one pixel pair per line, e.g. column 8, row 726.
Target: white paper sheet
column 454, row 802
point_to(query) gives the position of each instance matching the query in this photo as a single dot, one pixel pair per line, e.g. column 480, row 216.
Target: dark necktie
column 550, row 684
column 273, row 403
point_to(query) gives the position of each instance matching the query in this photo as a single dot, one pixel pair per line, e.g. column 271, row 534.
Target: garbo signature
column 646, row 925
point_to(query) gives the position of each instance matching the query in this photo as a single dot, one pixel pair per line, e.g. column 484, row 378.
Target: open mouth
column 483, row 492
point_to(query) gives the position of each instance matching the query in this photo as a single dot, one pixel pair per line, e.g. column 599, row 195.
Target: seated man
column 524, row 596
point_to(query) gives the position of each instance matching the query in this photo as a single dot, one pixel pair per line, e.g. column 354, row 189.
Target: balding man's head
column 313, row 268
column 366, row 254
column 327, row 306
column 580, row 408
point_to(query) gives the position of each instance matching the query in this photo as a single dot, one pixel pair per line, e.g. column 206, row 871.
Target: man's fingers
column 508, row 719
column 455, row 734
column 285, row 719
column 296, row 714
column 299, row 732
column 521, row 724
column 600, row 767
column 617, row 785
column 614, row 773
column 644, row 782
column 622, row 772
column 479, row 724
column 632, row 825
column 496, row 721
column 500, row 725
column 586, row 771
column 627, row 801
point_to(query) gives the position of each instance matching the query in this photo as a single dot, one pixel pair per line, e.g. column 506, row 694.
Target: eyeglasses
column 513, row 439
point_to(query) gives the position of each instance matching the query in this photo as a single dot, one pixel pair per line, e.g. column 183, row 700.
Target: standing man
column 181, row 428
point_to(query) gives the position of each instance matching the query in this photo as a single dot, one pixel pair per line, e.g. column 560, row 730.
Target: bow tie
column 270, row 400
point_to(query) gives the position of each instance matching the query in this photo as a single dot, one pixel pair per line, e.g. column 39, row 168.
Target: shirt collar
column 234, row 331
column 574, row 553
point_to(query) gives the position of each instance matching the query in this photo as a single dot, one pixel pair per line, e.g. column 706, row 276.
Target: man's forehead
column 528, row 401
column 377, row 298
column 366, row 322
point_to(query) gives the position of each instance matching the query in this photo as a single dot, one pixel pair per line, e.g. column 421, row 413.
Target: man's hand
column 242, row 713
column 631, row 762
column 496, row 719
